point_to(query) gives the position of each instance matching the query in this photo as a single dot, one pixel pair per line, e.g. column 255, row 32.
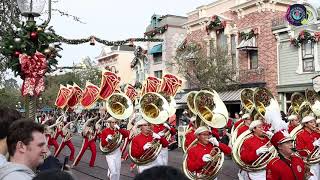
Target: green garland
column 249, row 35
column 105, row 42
column 303, row 37
column 215, row 24
column 27, row 39
column 159, row 30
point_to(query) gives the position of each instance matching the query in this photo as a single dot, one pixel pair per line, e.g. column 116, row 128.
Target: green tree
column 206, row 67
column 9, row 93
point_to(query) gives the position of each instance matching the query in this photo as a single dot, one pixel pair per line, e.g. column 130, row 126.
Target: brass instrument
column 296, row 101
column 258, row 164
column 314, row 99
column 119, row 106
column 211, row 109
column 149, row 154
column 210, row 170
column 246, row 97
column 190, row 101
column 262, row 99
column 113, row 144
column 154, row 108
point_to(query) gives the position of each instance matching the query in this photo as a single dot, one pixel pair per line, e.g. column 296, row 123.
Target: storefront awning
column 156, row 49
column 249, row 44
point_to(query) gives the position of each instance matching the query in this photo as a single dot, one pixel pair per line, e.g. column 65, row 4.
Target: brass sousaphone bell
column 211, row 109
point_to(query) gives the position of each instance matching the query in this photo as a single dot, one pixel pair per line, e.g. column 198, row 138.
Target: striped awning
column 226, row 96
column 248, row 44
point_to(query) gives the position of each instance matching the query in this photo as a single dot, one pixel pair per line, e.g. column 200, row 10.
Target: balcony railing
column 279, row 23
column 252, row 75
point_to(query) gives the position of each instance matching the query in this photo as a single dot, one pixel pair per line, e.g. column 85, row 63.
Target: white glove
column 193, row 118
column 156, row 136
column 161, row 133
column 269, row 133
column 316, row 143
column 206, row 158
column 167, row 126
column 262, row 150
column 147, row 146
column 109, row 137
column 116, row 126
column 214, row 141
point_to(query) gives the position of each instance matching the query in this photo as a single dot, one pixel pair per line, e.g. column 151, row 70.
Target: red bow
column 33, row 69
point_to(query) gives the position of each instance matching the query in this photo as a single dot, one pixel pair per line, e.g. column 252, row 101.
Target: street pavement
column 99, row 172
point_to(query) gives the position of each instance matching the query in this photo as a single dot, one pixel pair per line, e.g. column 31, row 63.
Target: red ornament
column 33, row 35
column 17, row 53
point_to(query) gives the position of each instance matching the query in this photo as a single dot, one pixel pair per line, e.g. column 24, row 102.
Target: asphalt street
column 84, row 172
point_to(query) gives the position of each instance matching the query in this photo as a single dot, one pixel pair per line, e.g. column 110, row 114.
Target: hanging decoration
column 248, row 35
column 305, row 36
column 215, row 24
column 30, row 41
column 92, row 40
column 155, row 31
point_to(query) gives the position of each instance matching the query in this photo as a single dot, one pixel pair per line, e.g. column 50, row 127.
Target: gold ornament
column 47, row 51
column 40, row 29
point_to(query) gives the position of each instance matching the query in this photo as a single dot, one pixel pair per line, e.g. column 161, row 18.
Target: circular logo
column 296, row 14
column 299, row 168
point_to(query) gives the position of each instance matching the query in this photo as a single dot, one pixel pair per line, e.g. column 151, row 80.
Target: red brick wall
column 197, row 36
column 267, row 45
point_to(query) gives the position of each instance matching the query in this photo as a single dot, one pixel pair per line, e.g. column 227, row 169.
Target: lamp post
column 31, row 9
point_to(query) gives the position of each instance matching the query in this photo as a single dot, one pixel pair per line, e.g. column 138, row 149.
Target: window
column 253, row 58
column 308, row 56
column 221, row 39
column 233, row 50
column 158, row 74
column 157, row 57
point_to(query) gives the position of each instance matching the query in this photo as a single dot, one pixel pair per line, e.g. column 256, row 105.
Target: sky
column 110, row 20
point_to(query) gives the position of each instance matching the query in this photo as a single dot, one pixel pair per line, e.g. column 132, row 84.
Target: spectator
column 7, row 117
column 161, row 173
column 53, row 175
column 27, row 149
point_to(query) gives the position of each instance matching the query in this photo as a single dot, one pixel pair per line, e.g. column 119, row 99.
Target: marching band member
column 66, row 140
column 113, row 158
column 252, row 148
column 142, row 142
column 247, row 119
column 58, row 130
column 306, row 142
column 190, row 136
column 161, row 130
column 287, row 166
column 89, row 137
column 293, row 122
column 199, row 155
column 49, row 133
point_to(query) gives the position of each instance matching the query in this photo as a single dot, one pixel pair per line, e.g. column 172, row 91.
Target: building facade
column 161, row 55
column 298, row 57
column 244, row 27
column 117, row 59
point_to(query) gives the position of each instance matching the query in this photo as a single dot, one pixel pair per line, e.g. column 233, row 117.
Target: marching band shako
column 62, row 97
column 75, row 97
column 109, row 84
column 90, row 95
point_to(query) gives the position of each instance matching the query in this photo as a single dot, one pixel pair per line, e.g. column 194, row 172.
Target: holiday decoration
column 155, row 31
column 215, row 24
column 33, row 69
column 249, row 35
column 303, row 37
column 27, row 40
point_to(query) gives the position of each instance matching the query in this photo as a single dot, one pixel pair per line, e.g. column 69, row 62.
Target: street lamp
column 33, row 8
